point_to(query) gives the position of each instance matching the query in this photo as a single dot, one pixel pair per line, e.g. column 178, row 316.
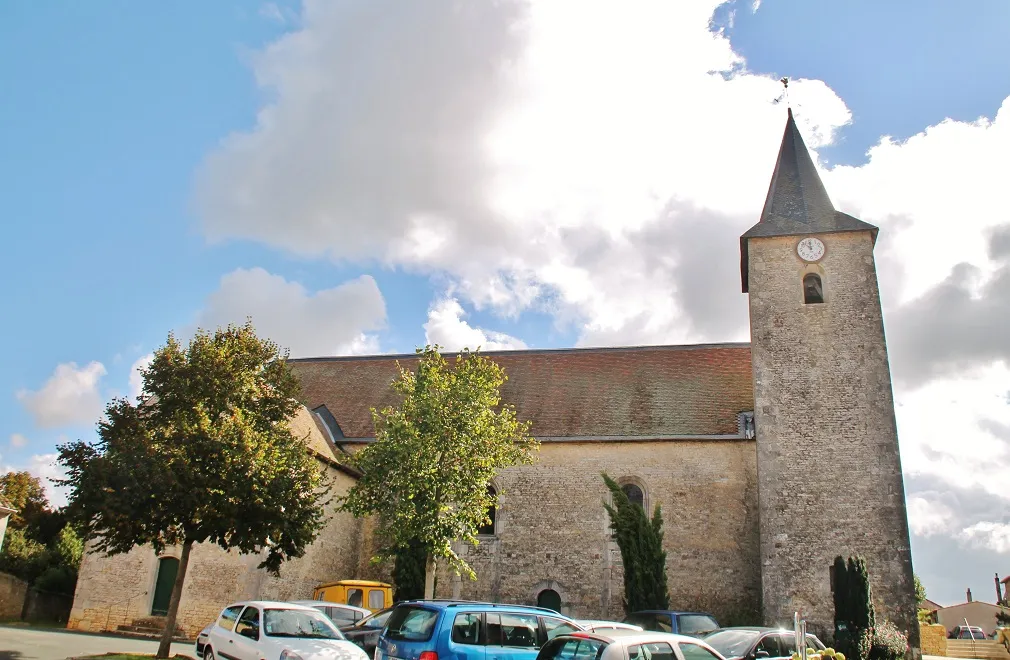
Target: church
column 768, row 458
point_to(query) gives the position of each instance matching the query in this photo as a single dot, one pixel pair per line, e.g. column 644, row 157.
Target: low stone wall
column 12, row 596
column 933, row 639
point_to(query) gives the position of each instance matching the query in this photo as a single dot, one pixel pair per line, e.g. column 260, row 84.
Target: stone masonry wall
column 114, row 591
column 553, row 532
column 829, row 471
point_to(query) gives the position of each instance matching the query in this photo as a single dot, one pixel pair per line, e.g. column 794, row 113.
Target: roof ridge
column 537, row 351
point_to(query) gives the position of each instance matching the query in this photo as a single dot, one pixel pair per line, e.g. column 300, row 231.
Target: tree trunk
column 429, row 577
column 173, row 604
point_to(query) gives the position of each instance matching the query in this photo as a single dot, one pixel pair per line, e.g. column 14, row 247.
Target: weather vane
column 784, row 96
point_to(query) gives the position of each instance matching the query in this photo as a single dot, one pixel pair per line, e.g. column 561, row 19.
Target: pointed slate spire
column 797, row 203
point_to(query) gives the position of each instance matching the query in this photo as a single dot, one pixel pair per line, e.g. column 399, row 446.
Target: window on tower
column 813, row 292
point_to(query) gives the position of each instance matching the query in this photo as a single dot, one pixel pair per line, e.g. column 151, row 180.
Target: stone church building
column 768, row 458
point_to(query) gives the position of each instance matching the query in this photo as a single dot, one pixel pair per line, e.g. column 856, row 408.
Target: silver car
column 626, row 645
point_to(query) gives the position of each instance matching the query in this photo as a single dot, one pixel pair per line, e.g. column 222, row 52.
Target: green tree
column 26, row 495
column 855, row 617
column 642, row 553
column 408, row 572
column 206, row 456
column 862, row 613
column 920, row 591
column 427, row 472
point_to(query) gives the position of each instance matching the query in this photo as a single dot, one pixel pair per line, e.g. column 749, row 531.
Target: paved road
column 26, row 644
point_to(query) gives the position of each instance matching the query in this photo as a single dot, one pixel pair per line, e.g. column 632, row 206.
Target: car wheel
column 208, row 654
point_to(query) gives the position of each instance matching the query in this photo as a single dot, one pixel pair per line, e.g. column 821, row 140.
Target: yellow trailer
column 369, row 594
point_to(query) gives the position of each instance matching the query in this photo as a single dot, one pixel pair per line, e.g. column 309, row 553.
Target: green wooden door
column 550, row 599
column 168, row 569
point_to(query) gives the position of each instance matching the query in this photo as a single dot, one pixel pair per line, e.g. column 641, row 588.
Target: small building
column 977, row 612
column 5, row 514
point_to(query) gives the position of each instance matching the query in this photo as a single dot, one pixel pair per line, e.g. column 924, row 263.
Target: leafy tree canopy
column 206, row 456
column 920, row 591
column 426, row 474
column 24, row 493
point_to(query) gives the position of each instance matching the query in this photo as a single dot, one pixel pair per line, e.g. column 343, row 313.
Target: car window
column 589, row 649
column 377, row 621
column 514, row 630
column 340, row 615
column 376, row 599
column 695, row 624
column 696, row 652
column 248, row 624
column 555, row 627
column 651, row 621
column 414, row 624
column 653, row 651
column 561, row 649
column 466, row 629
column 731, row 643
column 354, row 597
column 770, row 645
column 227, row 618
column 308, row 623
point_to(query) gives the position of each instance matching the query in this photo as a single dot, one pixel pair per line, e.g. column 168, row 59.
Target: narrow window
column 813, row 292
column 487, row 529
column 635, row 494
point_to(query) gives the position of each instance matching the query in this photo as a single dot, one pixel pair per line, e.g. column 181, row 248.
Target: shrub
column 883, row 642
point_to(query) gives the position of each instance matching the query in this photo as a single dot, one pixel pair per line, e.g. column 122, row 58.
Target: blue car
column 695, row 624
column 460, row 630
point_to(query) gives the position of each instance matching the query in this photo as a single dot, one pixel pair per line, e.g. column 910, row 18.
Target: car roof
column 326, row 603
column 669, row 612
column 631, row 636
column 276, row 604
column 760, row 629
column 473, row 605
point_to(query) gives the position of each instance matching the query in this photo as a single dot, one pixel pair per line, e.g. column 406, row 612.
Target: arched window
column 813, row 292
column 488, row 528
column 635, row 494
column 550, row 599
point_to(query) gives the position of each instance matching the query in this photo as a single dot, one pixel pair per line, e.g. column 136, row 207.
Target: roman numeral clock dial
column 810, row 249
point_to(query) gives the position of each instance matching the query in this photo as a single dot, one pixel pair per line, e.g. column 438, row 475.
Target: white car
column 267, row 630
column 620, row 644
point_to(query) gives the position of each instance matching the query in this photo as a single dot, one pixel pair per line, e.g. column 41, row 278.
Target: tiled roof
column 797, row 203
column 656, row 391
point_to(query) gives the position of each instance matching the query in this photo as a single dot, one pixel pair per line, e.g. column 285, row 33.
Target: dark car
column 365, row 632
column 695, row 624
column 756, row 642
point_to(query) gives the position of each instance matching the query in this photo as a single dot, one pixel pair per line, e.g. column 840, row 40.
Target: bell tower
column 829, row 472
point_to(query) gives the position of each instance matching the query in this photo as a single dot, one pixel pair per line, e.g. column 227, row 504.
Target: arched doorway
column 550, row 599
column 168, row 569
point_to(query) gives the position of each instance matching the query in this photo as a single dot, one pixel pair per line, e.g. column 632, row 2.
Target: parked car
column 757, row 642
column 594, row 625
column 267, row 630
column 359, row 593
column 627, row 645
column 695, row 624
column 431, row 629
column 966, row 632
column 341, row 615
column 365, row 632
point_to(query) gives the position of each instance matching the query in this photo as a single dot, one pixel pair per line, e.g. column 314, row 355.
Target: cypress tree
column 641, row 543
column 408, row 572
column 862, row 612
column 840, row 594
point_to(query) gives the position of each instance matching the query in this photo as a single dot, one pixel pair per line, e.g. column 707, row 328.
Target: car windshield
column 731, row 643
column 299, row 623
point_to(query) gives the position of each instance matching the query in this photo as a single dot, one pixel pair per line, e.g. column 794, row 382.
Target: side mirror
column 761, row 654
column 250, row 632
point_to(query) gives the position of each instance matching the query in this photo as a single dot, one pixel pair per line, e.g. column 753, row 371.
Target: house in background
column 978, row 613
column 5, row 514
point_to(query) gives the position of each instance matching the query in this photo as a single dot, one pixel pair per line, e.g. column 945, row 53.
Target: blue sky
column 114, row 113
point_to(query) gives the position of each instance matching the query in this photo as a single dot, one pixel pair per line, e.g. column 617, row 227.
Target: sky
column 370, row 176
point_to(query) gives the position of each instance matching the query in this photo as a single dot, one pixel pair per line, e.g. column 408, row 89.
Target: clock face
column 810, row 249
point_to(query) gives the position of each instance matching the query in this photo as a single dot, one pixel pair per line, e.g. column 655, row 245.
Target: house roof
column 647, row 392
column 797, row 203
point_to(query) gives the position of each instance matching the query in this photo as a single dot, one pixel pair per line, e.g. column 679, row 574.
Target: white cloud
column 994, row 536
column 329, row 322
column 926, row 518
column 70, row 397
column 45, row 467
column 136, row 379
column 447, row 328
column 18, row 441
